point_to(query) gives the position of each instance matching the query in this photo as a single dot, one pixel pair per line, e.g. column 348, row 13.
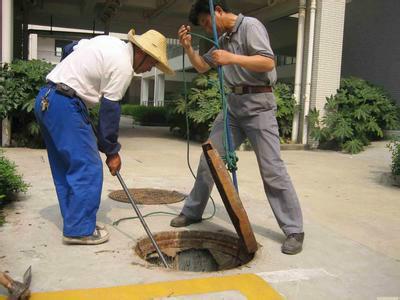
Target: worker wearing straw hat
column 94, row 71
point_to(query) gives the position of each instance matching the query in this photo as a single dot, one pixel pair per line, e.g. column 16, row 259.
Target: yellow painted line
column 249, row 285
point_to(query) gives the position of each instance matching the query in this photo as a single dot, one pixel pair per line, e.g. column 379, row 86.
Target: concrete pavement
column 351, row 213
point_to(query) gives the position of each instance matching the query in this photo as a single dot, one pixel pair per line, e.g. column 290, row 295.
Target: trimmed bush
column 356, row 115
column 146, row 115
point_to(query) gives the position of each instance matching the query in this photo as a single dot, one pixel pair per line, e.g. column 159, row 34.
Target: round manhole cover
column 148, row 196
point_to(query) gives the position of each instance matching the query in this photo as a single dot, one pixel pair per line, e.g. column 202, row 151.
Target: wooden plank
column 230, row 197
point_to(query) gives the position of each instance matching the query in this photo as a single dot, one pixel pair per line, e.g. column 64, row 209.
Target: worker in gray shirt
column 249, row 68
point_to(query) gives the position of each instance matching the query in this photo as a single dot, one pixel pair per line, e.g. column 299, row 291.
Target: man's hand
column 184, row 37
column 113, row 162
column 222, row 57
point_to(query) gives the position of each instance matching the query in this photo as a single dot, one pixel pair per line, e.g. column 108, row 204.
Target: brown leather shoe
column 293, row 243
column 182, row 221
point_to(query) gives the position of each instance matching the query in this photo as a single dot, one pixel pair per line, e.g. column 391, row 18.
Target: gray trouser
column 252, row 116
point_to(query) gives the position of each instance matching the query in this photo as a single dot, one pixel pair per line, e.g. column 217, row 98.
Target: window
column 284, row 60
column 59, row 45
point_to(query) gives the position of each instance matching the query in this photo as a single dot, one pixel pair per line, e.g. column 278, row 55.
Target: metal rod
column 153, row 241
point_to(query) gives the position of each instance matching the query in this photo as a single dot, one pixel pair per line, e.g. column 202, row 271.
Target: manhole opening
column 148, row 196
column 195, row 251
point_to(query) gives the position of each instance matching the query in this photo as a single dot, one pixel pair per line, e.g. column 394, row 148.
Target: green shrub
column 204, row 99
column 146, row 115
column 204, row 104
column 10, row 181
column 286, row 108
column 356, row 115
column 20, row 82
column 394, row 147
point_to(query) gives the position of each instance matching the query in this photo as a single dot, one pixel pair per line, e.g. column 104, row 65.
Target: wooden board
column 230, row 197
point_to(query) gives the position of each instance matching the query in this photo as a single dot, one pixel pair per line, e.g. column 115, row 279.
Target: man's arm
column 197, row 61
column 186, row 41
column 256, row 63
column 108, row 127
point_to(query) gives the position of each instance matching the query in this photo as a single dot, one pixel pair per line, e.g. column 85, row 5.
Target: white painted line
column 293, row 275
column 231, row 295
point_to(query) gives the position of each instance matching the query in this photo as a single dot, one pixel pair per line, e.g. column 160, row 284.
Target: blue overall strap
column 107, row 131
column 68, row 49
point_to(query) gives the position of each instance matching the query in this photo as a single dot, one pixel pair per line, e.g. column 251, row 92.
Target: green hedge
column 356, row 115
column 146, row 115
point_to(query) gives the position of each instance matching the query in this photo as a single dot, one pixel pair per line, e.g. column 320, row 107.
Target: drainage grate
column 148, row 196
column 195, row 251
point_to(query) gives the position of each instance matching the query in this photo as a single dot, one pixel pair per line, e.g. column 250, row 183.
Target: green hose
column 230, row 158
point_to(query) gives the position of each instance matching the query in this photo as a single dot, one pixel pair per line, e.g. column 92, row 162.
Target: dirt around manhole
column 195, row 251
column 148, row 196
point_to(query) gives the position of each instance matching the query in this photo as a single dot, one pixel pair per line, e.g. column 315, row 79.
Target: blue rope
column 230, row 157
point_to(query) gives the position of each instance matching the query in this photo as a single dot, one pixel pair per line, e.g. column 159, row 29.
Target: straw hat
column 154, row 44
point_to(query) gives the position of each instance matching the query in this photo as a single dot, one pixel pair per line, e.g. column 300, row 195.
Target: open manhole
column 195, row 251
column 148, row 196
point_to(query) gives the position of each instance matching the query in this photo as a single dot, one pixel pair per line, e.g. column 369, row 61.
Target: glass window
column 59, row 45
column 58, row 51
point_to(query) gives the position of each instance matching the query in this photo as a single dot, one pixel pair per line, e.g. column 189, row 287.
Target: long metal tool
column 150, row 235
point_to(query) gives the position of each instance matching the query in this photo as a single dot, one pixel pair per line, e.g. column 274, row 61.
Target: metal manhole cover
column 148, row 196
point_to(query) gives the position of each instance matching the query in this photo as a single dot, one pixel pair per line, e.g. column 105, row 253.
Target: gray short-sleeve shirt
column 248, row 37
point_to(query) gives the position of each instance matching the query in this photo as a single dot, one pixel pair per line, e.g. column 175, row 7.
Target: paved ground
column 352, row 223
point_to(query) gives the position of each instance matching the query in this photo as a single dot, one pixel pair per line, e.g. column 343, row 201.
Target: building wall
column 17, row 38
column 372, row 43
column 1, row 37
column 283, row 35
column 45, row 50
column 329, row 26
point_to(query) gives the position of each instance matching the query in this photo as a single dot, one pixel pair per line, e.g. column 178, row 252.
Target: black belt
column 240, row 90
column 67, row 91
column 63, row 89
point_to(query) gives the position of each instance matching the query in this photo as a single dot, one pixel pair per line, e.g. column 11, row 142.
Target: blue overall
column 74, row 160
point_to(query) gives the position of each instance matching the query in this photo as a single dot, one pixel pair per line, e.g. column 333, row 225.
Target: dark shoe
column 182, row 221
column 293, row 243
